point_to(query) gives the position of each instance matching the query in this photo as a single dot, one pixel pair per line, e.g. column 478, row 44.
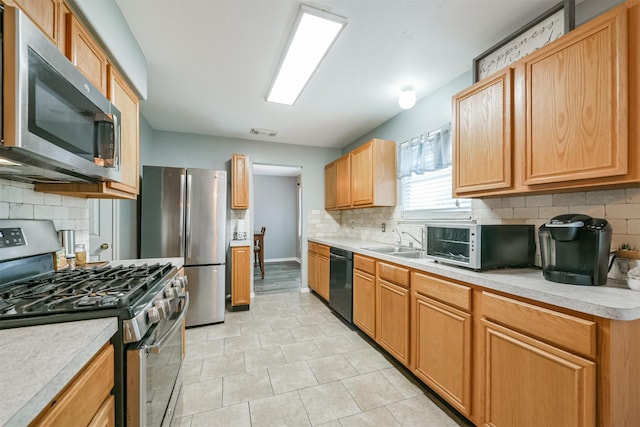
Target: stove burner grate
column 71, row 290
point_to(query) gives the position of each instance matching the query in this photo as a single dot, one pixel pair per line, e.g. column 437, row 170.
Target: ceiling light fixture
column 314, row 32
column 407, row 98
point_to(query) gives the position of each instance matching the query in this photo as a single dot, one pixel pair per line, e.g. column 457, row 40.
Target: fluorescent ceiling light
column 313, row 34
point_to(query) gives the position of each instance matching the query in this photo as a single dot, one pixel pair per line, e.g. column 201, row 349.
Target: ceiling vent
column 263, row 132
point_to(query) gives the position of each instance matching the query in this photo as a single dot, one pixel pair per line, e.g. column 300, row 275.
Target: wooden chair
column 258, row 249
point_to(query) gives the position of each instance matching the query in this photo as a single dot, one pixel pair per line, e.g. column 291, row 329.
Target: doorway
column 278, row 207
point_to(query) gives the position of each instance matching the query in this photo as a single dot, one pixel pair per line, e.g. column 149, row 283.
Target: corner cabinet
column 240, row 276
column 365, row 177
column 568, row 132
column 239, row 181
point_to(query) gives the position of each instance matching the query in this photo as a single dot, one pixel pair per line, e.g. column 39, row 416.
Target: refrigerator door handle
column 188, row 209
column 182, row 209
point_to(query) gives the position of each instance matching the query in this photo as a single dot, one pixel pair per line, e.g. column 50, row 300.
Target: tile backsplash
column 19, row 201
column 620, row 207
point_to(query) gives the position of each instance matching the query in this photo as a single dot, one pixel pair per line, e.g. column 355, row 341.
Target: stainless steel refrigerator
column 184, row 215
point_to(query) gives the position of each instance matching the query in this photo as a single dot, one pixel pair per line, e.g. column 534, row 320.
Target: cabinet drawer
column 312, row 247
column 394, row 274
column 570, row 332
column 323, row 250
column 442, row 290
column 363, row 263
column 83, row 397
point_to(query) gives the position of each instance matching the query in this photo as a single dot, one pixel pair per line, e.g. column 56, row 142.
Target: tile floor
column 290, row 362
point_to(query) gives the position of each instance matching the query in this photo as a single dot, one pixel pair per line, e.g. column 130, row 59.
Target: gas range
column 149, row 300
column 139, row 295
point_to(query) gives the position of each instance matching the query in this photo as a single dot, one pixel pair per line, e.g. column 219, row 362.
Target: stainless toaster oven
column 480, row 246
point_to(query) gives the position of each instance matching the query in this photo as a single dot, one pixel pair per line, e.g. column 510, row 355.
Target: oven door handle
column 157, row 347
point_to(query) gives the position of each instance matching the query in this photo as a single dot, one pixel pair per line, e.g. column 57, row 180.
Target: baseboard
column 266, row 261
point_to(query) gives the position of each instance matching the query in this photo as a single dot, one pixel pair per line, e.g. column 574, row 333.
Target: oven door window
column 162, row 371
column 449, row 243
column 61, row 114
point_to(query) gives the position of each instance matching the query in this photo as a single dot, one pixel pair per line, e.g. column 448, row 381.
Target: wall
column 275, row 208
column 19, row 201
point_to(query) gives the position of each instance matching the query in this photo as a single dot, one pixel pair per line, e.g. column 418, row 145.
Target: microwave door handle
column 160, row 343
column 116, row 141
column 181, row 228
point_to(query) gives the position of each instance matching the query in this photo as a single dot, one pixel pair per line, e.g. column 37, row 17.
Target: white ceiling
column 210, row 62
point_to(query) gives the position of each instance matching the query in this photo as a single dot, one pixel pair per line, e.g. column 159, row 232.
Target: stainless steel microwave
column 56, row 126
column 480, row 246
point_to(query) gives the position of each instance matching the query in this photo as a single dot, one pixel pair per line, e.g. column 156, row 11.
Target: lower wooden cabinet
column 240, row 276
column 106, row 415
column 392, row 310
column 531, row 383
column 364, row 294
column 312, row 269
column 442, row 339
column 86, row 398
column 323, row 272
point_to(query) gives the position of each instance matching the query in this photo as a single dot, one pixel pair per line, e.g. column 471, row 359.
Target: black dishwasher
column 341, row 283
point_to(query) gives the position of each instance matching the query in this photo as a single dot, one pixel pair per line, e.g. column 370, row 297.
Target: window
column 425, row 174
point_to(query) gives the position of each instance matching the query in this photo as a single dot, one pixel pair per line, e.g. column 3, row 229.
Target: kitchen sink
column 391, row 249
column 411, row 254
column 400, row 251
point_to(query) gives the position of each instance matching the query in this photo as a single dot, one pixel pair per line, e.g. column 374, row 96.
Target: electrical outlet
column 384, row 227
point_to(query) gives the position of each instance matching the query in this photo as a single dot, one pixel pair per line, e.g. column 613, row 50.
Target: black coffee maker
column 575, row 249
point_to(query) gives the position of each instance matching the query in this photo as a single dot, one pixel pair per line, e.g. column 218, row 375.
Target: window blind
column 428, row 195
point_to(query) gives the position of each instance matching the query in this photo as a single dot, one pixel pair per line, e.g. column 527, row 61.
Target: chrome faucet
column 399, row 236
column 421, row 241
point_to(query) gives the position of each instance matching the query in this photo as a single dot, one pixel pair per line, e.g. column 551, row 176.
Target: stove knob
column 170, row 293
column 153, row 314
column 163, row 306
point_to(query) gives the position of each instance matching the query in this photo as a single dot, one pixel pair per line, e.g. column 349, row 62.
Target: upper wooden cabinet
column 126, row 101
column 576, row 104
column 84, row 53
column 572, row 115
column 343, row 182
column 46, row 14
column 330, row 185
column 239, row 181
column 365, row 177
column 483, row 135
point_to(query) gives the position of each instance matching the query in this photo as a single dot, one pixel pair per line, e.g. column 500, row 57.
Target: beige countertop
column 39, row 361
column 611, row 301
